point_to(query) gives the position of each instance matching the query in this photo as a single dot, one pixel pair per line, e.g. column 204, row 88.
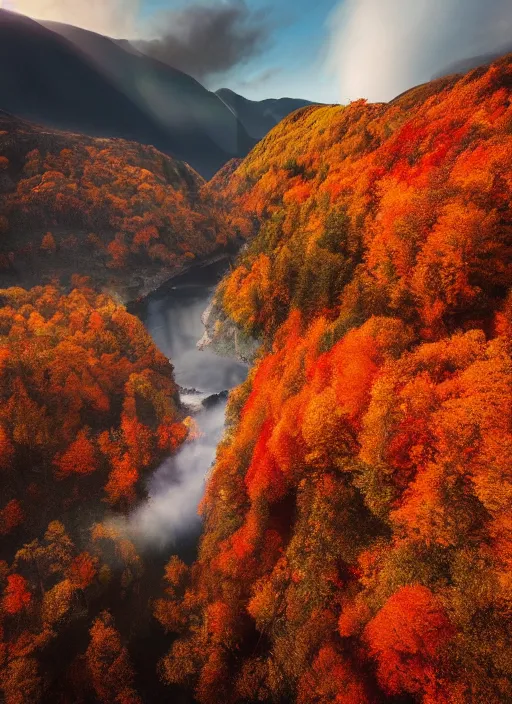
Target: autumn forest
column 356, row 540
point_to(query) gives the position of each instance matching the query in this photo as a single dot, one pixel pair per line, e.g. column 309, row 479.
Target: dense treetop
column 357, row 544
column 399, row 208
column 88, row 406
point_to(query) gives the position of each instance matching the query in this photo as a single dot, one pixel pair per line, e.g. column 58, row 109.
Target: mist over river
column 172, row 315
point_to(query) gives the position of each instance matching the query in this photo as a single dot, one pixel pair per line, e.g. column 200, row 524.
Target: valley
column 172, row 316
column 326, row 521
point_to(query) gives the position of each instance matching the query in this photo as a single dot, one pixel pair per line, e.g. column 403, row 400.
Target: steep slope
column 123, row 213
column 72, row 79
column 75, row 366
column 89, row 406
column 357, row 543
column 330, row 187
column 260, row 116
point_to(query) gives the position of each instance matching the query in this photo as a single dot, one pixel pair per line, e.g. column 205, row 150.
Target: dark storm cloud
column 207, row 39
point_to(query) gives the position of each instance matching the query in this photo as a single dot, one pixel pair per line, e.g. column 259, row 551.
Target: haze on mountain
column 381, row 48
column 465, row 65
column 74, row 79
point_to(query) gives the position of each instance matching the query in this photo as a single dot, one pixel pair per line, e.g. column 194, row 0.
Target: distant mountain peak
column 74, row 79
column 259, row 116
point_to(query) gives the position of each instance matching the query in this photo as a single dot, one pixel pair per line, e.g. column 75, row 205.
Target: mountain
column 260, row 116
column 357, row 539
column 72, row 79
column 357, row 543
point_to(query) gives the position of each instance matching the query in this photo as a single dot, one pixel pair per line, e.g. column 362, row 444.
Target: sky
column 292, row 61
column 323, row 50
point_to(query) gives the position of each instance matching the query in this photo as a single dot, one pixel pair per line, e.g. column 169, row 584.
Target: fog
column 176, row 488
column 173, row 317
column 208, row 38
column 116, row 18
column 380, row 48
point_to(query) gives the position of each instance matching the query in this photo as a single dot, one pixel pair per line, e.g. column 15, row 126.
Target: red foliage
column 109, row 664
column 16, row 594
column 407, row 637
column 263, row 476
column 83, row 570
column 171, row 435
column 11, row 516
column 79, row 458
column 148, row 208
column 357, row 541
column 330, row 681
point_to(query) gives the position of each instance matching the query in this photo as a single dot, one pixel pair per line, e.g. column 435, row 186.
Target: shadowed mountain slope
column 73, row 79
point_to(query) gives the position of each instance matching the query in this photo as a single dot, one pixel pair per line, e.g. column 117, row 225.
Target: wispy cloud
column 175, row 491
column 205, row 39
column 259, row 79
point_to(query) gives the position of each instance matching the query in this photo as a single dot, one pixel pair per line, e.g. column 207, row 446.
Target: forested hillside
column 88, row 406
column 123, row 213
column 357, row 543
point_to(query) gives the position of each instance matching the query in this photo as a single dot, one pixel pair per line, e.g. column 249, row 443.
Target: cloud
column 259, row 79
column 201, row 38
column 116, row 18
column 175, row 491
column 207, row 39
column 380, row 48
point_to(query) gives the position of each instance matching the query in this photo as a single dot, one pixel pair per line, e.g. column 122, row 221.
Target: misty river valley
column 166, row 522
column 172, row 316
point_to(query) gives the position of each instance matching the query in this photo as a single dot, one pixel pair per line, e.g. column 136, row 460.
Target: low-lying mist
column 175, row 489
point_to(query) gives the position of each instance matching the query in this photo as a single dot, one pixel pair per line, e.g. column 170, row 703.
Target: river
column 172, row 316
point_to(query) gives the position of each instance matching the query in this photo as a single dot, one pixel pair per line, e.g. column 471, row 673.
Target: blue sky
column 294, row 63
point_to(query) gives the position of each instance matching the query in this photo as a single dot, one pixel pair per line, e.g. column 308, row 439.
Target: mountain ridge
column 260, row 116
column 467, row 64
column 128, row 214
column 78, row 80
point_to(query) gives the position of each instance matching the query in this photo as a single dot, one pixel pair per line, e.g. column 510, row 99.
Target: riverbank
column 152, row 283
